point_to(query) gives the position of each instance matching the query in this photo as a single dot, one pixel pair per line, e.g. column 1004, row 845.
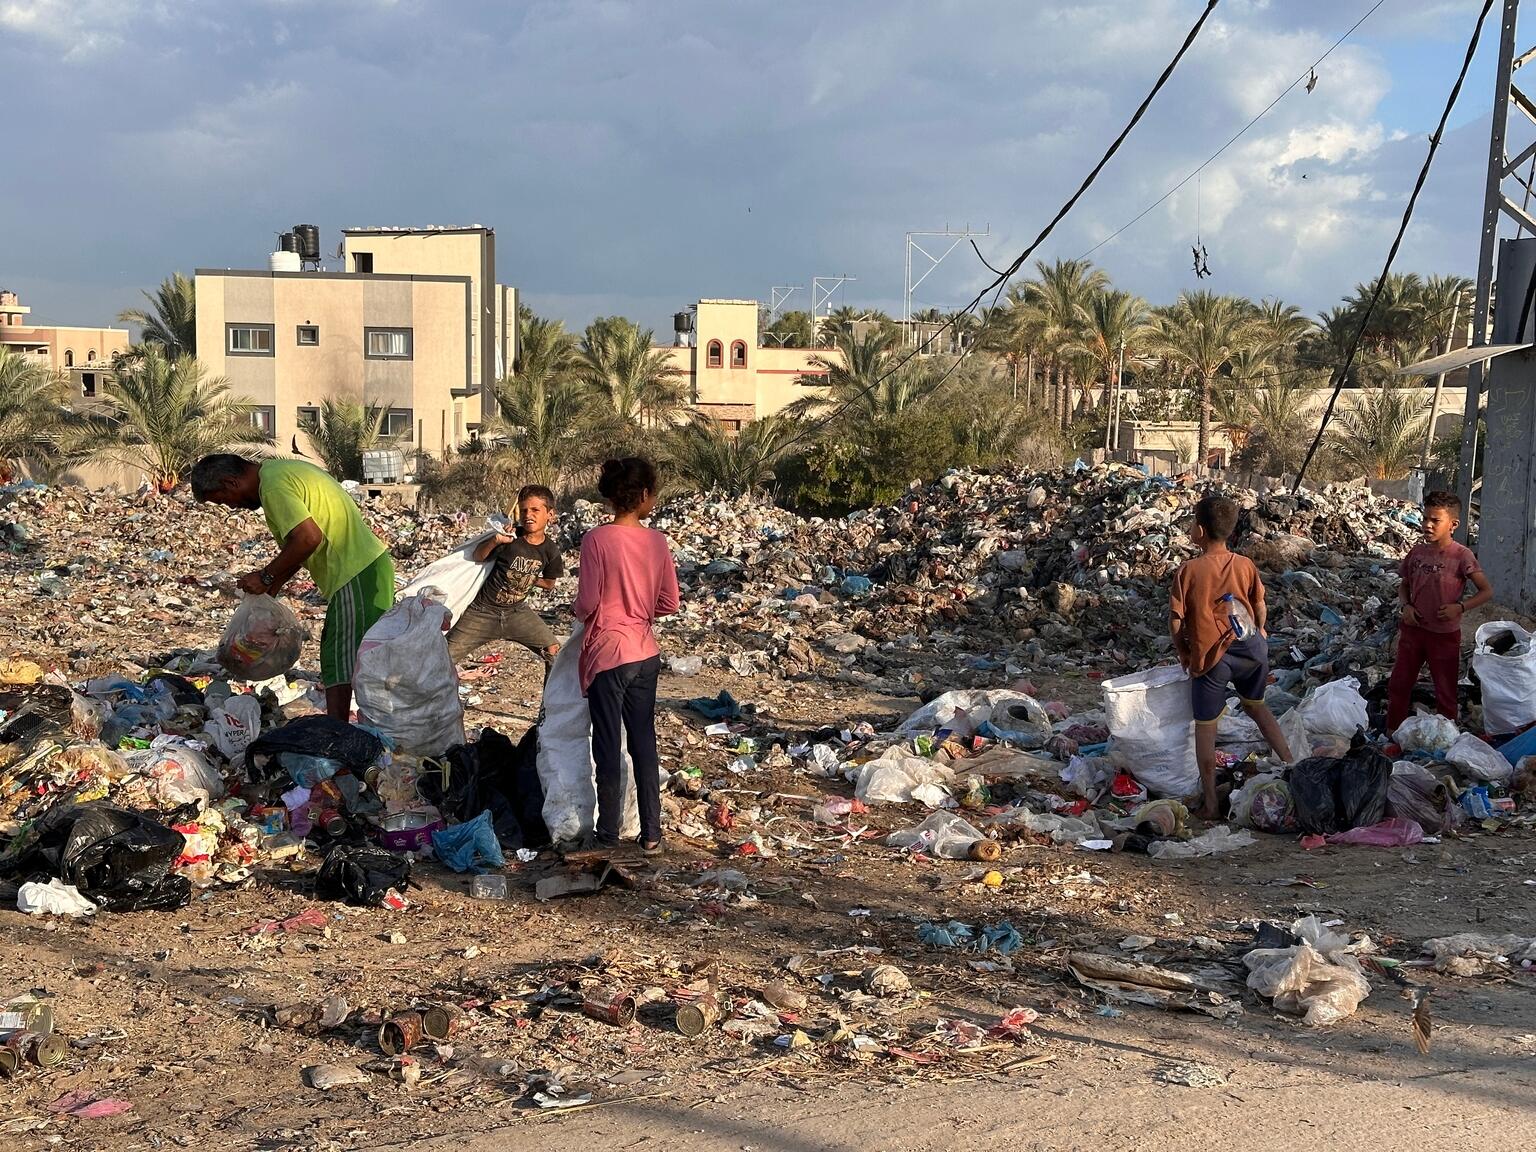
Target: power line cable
column 1006, row 274
column 1243, row 131
column 1397, row 241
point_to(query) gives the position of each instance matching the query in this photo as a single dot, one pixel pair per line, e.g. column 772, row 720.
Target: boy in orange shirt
column 1215, row 597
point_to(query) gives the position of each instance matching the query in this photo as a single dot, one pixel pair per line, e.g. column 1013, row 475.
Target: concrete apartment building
column 83, row 355
column 414, row 321
column 730, row 376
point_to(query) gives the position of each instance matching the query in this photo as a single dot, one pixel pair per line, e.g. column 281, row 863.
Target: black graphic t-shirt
column 516, row 567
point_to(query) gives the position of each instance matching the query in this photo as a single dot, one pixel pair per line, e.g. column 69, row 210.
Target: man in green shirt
column 319, row 528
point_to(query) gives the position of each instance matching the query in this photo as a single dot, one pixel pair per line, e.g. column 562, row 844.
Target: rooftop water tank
column 288, row 242
column 308, row 237
column 283, row 262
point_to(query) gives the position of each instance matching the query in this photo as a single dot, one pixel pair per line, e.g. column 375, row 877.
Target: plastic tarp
column 1508, row 680
column 566, row 768
column 406, row 682
column 1152, row 730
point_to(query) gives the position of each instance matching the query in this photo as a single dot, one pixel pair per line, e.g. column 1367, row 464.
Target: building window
column 387, row 343
column 69, row 357
column 249, row 339
column 264, row 420
column 738, row 354
column 714, row 358
column 309, row 417
column 362, row 261
column 309, row 335
column 397, row 424
column 90, row 357
column 88, row 384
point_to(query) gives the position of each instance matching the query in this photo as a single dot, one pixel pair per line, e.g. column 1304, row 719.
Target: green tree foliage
column 35, row 427
column 341, row 432
column 170, row 321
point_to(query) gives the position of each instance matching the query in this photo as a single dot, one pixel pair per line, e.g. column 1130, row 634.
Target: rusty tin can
column 9, row 1063
column 401, row 1033
column 693, row 1017
column 34, row 1047
column 440, row 1021
column 610, row 1005
column 986, row 850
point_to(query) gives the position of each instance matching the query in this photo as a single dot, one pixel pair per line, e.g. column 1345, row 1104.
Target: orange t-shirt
column 1198, row 587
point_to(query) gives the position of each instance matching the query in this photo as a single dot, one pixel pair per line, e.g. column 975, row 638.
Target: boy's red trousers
column 1415, row 648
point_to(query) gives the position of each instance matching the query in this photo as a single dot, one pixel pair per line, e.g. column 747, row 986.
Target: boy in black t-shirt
column 500, row 611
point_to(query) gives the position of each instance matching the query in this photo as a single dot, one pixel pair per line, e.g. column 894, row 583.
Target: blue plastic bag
column 469, row 846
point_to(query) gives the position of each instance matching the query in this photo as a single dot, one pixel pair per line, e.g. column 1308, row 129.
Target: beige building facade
column 730, row 376
column 83, row 355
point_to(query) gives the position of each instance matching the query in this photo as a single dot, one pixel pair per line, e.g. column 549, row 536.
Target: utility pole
column 1494, row 203
column 956, row 238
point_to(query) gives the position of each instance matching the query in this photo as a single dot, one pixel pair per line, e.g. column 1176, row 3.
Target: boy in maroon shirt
column 1435, row 575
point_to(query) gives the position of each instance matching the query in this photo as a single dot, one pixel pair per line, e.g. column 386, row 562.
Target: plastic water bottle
column 1239, row 619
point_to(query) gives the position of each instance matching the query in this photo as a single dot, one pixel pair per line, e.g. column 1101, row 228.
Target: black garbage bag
column 119, row 859
column 492, row 775
column 1335, row 794
column 313, row 736
column 361, row 874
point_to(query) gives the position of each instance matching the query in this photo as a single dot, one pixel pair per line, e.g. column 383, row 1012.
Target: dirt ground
column 171, row 1012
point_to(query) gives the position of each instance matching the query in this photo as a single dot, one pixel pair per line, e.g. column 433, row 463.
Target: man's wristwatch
column 266, row 578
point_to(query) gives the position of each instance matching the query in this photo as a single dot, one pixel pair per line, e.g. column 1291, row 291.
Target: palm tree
column 341, row 432
column 550, row 423
column 1381, row 436
column 1115, row 324
column 32, row 415
column 864, row 382
column 544, row 346
column 631, row 377
column 161, row 415
column 171, row 319
column 1056, row 302
column 707, row 457
column 1282, row 426
column 1397, row 320
column 1200, row 334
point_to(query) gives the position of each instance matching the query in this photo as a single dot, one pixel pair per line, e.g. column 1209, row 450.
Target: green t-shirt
column 293, row 492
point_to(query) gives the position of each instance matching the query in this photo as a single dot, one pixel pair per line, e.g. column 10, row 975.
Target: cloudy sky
column 634, row 156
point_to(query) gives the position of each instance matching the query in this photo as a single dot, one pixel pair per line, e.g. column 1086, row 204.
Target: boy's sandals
column 654, row 848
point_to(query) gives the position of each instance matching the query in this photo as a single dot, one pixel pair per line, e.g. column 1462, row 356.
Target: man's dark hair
column 538, row 491
column 625, row 482
column 212, row 473
column 1446, row 500
column 1218, row 516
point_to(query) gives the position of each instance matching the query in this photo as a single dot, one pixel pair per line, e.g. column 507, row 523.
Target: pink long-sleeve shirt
column 627, row 581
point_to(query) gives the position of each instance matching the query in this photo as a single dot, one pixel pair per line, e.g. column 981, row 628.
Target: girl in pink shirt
column 627, row 580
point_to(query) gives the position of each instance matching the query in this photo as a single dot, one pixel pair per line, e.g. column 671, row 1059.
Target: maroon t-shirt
column 1435, row 577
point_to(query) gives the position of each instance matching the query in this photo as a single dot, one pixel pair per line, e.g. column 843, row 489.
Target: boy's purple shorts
column 1244, row 668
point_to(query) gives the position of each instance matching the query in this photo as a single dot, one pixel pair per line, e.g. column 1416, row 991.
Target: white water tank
column 283, row 262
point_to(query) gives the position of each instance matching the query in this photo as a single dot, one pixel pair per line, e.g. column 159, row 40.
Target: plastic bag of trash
column 1264, row 803
column 1088, row 776
column 54, row 898
column 181, row 775
column 1393, row 832
column 1014, row 717
column 899, row 777
column 405, row 680
column 1152, row 730
column 942, row 834
column 1332, row 794
column 565, row 765
column 1426, row 734
column 1506, row 668
column 1478, row 760
column 454, row 580
column 1318, row 979
column 87, row 716
column 1415, row 793
column 120, row 860
column 264, row 639
column 1473, row 954
column 1335, row 709
column 361, row 874
column 234, row 725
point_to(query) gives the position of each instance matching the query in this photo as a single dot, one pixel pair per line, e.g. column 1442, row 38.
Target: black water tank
column 287, row 242
column 308, row 238
column 682, row 321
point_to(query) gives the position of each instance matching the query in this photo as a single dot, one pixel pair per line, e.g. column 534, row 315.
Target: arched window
column 69, row 357
column 715, row 354
column 90, row 357
column 738, row 354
